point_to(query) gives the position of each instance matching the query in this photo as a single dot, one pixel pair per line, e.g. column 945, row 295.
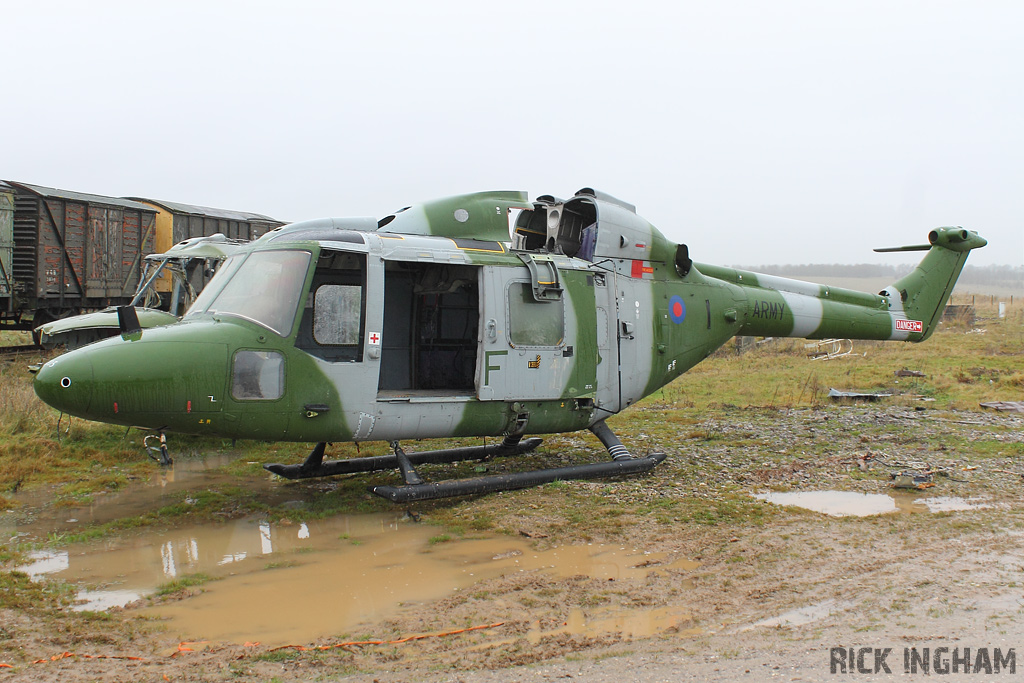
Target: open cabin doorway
column 431, row 321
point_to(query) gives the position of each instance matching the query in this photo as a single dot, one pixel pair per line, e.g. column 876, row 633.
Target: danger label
column 642, row 269
column 910, row 325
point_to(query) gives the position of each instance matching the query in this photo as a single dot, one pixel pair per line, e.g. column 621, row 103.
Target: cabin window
column 257, row 375
column 337, row 311
column 532, row 322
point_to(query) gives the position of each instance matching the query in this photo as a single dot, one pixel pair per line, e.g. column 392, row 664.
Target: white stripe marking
column 807, row 313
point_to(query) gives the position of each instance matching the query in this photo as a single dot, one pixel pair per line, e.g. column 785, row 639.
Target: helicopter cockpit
column 261, row 286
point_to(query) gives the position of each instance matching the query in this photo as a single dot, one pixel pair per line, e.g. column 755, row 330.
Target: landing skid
column 314, row 466
column 520, row 480
column 416, row 489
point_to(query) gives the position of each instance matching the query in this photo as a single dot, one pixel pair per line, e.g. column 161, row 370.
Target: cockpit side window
column 334, row 319
column 213, row 287
column 257, row 375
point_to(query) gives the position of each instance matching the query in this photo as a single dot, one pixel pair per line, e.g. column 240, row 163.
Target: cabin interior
column 431, row 320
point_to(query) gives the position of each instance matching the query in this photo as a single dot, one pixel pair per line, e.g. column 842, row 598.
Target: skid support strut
column 405, row 466
column 610, row 441
column 622, row 463
column 158, row 452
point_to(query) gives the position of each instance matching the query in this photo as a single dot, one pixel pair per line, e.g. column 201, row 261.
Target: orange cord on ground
column 184, row 646
column 303, row 648
column 70, row 655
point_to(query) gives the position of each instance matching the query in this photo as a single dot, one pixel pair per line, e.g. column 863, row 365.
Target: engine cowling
column 956, row 238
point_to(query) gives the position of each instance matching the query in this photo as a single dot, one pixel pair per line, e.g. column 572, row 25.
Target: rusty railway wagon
column 63, row 253
column 176, row 222
column 6, row 241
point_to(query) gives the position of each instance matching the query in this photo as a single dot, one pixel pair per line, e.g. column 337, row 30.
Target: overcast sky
column 756, row 132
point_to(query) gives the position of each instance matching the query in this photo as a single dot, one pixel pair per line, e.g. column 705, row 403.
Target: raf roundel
column 676, row 309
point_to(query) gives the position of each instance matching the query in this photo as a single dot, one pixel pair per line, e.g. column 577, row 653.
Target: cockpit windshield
column 263, row 286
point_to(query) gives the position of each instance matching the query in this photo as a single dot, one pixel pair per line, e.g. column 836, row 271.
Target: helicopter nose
column 66, row 383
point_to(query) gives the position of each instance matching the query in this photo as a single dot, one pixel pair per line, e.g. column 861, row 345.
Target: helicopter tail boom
column 907, row 310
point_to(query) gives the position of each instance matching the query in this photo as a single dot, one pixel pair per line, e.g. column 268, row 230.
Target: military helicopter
column 478, row 315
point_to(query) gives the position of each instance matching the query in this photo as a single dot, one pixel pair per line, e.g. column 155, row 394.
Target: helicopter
column 479, row 315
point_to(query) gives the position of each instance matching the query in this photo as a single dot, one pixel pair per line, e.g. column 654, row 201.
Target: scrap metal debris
column 837, row 395
column 1008, row 406
column 912, row 480
column 827, row 349
column 912, row 474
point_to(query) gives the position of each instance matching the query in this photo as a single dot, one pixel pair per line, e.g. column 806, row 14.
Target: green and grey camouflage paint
column 586, row 311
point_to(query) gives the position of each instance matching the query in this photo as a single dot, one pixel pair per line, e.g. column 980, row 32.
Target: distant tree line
column 1006, row 276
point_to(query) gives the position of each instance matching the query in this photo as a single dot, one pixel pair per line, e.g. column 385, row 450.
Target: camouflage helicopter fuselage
column 429, row 323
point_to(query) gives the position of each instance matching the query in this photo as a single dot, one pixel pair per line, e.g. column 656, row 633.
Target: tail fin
column 924, row 292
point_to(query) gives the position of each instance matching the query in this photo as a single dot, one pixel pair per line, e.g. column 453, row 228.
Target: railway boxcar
column 177, row 222
column 73, row 252
column 6, row 244
column 63, row 253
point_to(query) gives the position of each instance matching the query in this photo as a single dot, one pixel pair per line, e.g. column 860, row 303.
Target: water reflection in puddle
column 285, row 583
column 850, row 503
column 127, row 569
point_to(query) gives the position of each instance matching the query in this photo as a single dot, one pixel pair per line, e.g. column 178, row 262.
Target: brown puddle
column 851, row 503
column 293, row 583
column 296, row 582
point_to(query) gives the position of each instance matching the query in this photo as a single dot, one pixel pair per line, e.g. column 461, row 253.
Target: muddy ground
column 739, row 589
